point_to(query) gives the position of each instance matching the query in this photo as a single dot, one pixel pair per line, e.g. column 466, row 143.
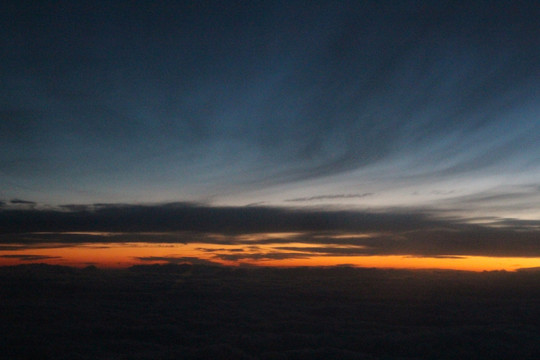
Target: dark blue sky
column 365, row 104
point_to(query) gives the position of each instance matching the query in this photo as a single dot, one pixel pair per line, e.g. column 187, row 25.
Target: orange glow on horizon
column 119, row 255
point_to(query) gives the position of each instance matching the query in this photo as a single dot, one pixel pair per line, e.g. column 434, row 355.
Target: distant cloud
column 199, row 218
column 28, row 257
column 263, row 256
column 330, row 197
column 328, row 250
column 438, row 256
column 259, row 203
column 178, row 260
column 221, row 249
column 22, row 202
column 71, row 207
column 347, row 232
column 502, row 197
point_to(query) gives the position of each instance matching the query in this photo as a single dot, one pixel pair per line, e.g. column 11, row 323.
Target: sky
column 407, row 128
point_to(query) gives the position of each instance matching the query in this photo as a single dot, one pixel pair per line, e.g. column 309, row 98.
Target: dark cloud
column 29, row 257
column 178, row 260
column 327, row 250
column 33, row 241
column 439, row 256
column 22, row 202
column 220, row 249
column 263, row 256
column 198, row 218
column 394, row 232
column 469, row 240
column 77, row 207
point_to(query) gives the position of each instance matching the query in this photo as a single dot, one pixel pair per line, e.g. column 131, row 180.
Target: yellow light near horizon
column 118, row 255
column 467, row 263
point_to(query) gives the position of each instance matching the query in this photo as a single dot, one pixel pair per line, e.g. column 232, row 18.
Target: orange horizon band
column 118, row 255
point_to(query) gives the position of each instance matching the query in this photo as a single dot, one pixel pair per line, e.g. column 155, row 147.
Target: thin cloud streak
column 30, row 257
column 330, row 197
column 178, row 260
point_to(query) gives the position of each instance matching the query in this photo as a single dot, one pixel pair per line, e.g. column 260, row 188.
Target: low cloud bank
column 345, row 232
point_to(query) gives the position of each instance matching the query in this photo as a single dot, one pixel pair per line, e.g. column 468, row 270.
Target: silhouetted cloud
column 198, row 218
column 23, row 202
column 178, row 260
column 18, row 203
column 393, row 232
column 327, row 250
column 77, row 207
column 211, row 250
column 29, row 257
column 187, row 217
column 263, row 256
column 438, row 256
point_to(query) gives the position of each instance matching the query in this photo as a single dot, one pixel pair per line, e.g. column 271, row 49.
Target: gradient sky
column 427, row 111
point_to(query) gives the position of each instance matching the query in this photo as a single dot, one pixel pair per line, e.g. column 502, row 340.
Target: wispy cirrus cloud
column 428, row 90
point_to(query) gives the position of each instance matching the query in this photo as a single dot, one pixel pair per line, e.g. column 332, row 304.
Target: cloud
column 327, row 250
column 390, row 232
column 221, row 249
column 263, row 256
column 29, row 257
column 199, row 218
column 30, row 241
column 22, row 202
column 344, row 92
column 178, row 260
column 502, row 197
column 330, row 197
column 77, row 207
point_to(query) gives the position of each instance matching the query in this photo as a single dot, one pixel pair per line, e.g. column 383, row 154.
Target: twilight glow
column 403, row 134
